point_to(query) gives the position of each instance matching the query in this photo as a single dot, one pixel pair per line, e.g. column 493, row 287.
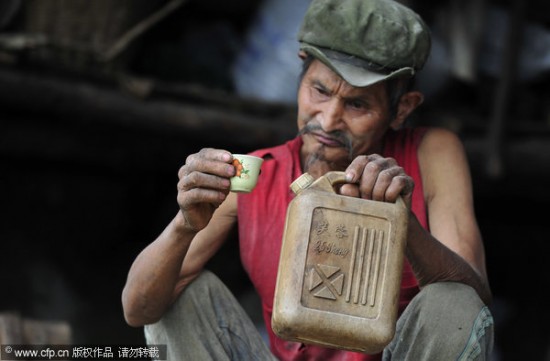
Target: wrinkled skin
column 342, row 124
column 203, row 185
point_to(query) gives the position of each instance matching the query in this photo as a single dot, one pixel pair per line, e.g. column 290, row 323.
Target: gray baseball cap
column 365, row 41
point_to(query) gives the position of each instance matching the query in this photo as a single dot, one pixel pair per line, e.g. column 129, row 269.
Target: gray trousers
column 445, row 321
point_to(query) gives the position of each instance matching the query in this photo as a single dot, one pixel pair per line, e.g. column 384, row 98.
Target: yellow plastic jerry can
column 340, row 269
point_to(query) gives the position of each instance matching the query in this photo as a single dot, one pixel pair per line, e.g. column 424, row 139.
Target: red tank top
column 261, row 218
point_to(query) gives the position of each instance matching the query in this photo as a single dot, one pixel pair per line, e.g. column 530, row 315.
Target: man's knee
column 447, row 298
column 186, row 305
column 446, row 319
column 202, row 288
column 454, row 308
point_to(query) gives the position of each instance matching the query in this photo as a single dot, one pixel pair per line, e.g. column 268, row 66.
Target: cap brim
column 357, row 76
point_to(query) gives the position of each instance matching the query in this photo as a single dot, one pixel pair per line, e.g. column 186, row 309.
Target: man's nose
column 333, row 113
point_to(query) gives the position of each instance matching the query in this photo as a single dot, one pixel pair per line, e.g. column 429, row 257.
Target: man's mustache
column 337, row 135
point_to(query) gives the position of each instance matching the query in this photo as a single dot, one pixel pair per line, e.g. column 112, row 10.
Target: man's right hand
column 203, row 185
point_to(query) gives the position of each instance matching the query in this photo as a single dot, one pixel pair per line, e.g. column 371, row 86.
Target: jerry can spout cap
column 301, row 183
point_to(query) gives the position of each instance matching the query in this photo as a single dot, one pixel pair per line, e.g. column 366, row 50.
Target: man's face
column 338, row 121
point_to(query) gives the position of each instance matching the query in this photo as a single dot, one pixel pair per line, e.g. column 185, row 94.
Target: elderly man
column 355, row 93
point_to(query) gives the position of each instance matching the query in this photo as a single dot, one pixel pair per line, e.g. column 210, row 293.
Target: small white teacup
column 247, row 170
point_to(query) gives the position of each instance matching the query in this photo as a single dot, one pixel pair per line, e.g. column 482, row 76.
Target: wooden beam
column 15, row 329
column 83, row 102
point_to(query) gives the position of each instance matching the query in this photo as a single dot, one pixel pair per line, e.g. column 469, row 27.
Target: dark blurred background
column 101, row 101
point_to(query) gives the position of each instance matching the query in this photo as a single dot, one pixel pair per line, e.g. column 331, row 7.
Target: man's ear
column 302, row 54
column 407, row 104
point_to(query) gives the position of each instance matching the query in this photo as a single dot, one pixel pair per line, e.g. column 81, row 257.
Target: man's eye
column 321, row 91
column 356, row 104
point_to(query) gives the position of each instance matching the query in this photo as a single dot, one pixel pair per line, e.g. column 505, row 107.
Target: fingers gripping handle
column 327, row 183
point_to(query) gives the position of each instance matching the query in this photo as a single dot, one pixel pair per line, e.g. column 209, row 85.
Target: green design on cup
column 246, row 180
column 245, row 170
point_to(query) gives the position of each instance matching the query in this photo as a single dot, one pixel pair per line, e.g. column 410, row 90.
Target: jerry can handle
column 330, row 179
column 325, row 182
column 335, row 178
